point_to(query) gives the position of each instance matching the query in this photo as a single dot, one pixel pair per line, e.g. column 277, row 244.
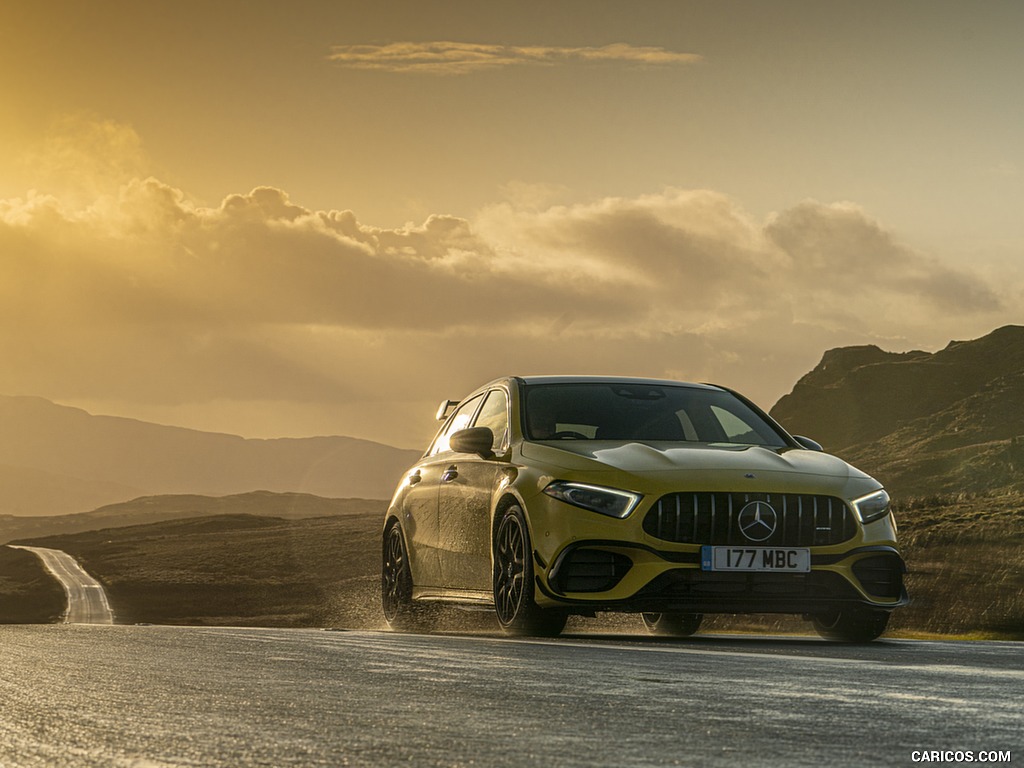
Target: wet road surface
column 147, row 697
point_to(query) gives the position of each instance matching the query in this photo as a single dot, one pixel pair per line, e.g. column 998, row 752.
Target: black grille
column 800, row 520
column 591, row 570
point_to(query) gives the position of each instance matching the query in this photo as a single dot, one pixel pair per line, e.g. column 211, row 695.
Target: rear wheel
column 517, row 612
column 672, row 624
column 400, row 611
column 855, row 625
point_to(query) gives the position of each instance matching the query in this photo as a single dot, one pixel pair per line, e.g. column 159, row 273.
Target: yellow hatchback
column 542, row 497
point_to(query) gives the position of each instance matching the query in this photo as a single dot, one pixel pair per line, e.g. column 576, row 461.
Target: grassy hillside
column 28, row 594
column 197, row 572
column 242, row 570
column 965, row 554
column 966, row 557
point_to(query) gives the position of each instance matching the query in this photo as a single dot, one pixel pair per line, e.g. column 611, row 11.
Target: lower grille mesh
column 591, row 570
column 881, row 576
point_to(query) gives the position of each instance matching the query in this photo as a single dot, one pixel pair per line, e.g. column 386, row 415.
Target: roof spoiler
column 445, row 408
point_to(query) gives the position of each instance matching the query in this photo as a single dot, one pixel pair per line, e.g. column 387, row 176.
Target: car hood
column 707, row 461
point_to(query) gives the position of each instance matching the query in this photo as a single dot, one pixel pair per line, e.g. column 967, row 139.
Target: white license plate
column 787, row 559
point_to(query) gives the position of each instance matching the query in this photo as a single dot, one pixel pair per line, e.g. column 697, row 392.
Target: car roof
column 564, row 379
column 611, row 380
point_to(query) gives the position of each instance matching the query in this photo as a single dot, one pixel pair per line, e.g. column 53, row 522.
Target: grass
column 966, row 559
column 965, row 554
column 28, row 594
column 240, row 570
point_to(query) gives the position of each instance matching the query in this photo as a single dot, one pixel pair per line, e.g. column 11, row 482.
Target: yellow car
column 542, row 497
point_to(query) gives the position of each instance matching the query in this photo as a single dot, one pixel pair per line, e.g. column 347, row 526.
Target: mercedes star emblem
column 757, row 520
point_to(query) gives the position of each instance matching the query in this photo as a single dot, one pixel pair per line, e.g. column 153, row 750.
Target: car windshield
column 643, row 412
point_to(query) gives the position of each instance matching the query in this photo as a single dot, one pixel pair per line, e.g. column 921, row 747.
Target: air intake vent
column 591, row 570
column 881, row 576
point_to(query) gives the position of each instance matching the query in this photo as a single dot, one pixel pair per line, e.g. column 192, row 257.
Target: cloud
column 81, row 156
column 452, row 58
column 840, row 246
column 142, row 302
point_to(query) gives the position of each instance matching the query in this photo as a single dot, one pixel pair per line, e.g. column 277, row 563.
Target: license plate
column 786, row 559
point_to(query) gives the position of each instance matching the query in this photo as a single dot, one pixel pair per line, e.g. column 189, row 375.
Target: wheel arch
column 506, row 500
column 393, row 520
column 510, row 499
column 390, row 519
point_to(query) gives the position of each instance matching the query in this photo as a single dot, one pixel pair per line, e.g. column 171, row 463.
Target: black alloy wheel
column 396, row 584
column 854, row 625
column 517, row 612
column 672, row 624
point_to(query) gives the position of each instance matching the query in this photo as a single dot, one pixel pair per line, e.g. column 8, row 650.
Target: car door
column 421, row 521
column 464, row 503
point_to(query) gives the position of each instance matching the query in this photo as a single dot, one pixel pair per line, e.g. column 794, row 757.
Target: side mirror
column 445, row 408
column 807, row 443
column 476, row 440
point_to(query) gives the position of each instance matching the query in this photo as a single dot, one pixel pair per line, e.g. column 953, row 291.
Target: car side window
column 459, row 420
column 736, row 430
column 494, row 415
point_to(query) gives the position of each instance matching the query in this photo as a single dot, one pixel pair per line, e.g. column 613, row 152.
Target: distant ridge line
column 57, row 459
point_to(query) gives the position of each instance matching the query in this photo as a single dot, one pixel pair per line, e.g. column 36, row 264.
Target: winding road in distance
column 160, row 696
column 87, row 602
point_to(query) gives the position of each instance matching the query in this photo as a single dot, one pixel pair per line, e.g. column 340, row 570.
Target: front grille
column 704, row 517
column 591, row 570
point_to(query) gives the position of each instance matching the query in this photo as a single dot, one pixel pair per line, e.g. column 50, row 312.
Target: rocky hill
column 56, row 460
column 924, row 423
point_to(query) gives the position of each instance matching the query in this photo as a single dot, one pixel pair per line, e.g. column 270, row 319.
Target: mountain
column 55, row 460
column 923, row 423
column 154, row 509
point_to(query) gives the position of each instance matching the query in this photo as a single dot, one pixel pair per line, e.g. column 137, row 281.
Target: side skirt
column 470, row 598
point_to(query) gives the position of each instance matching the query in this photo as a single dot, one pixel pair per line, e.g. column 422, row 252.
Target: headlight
column 607, row 501
column 872, row 506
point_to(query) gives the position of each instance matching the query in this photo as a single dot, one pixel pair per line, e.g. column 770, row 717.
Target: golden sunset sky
column 289, row 219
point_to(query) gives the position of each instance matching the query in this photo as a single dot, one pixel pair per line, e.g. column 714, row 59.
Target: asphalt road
column 148, row 697
column 87, row 602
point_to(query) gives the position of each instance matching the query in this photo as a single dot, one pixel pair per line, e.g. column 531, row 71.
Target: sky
column 306, row 218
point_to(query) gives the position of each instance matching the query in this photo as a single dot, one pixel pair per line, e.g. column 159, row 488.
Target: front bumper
column 605, row 575
column 586, row 562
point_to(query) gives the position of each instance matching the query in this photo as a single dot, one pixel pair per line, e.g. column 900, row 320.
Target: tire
column 514, row 605
column 400, row 612
column 672, row 624
column 851, row 626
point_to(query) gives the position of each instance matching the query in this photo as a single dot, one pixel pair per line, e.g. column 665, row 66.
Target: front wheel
column 672, row 624
column 851, row 626
column 517, row 612
column 400, row 612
